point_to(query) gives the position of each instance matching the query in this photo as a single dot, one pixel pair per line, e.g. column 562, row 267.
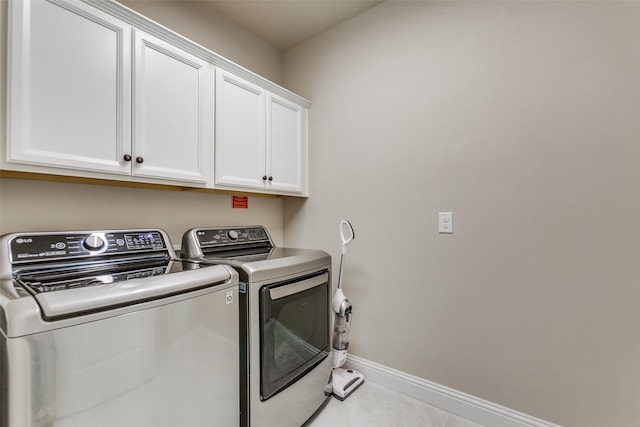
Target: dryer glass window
column 294, row 330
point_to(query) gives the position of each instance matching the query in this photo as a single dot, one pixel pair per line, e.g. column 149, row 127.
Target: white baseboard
column 470, row 407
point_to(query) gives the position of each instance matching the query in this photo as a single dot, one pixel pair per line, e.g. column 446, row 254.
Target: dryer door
column 294, row 330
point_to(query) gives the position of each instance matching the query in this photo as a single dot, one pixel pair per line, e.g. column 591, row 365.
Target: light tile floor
column 375, row 406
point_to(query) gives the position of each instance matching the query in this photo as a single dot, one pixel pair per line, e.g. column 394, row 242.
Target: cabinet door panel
column 240, row 132
column 171, row 112
column 285, row 145
column 69, row 95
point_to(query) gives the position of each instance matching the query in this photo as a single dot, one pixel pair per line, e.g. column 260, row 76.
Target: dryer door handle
column 294, row 288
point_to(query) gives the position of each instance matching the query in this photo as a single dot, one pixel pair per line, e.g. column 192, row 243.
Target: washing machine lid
column 109, row 296
column 71, row 274
column 23, row 313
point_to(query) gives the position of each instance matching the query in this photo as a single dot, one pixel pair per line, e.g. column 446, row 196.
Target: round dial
column 232, row 235
column 93, row 243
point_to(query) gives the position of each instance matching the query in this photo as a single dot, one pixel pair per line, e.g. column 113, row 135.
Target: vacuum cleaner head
column 345, row 382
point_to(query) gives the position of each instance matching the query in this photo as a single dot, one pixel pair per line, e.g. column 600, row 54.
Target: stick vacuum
column 344, row 381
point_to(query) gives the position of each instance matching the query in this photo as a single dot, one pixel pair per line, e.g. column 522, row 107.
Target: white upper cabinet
column 259, row 138
column 72, row 104
column 69, row 101
column 171, row 112
column 285, row 145
column 240, row 132
column 98, row 91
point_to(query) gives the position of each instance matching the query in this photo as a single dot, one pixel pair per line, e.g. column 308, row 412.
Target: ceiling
column 285, row 23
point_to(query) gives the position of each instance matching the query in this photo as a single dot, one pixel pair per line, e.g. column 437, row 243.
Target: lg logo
column 21, row 240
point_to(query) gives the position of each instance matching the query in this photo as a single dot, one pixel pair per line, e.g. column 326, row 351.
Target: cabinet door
column 171, row 113
column 240, row 132
column 285, row 145
column 69, row 84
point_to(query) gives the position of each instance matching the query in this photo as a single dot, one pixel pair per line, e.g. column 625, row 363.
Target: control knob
column 93, row 243
column 232, row 235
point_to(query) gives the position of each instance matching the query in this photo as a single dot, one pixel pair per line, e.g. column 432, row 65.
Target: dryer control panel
column 214, row 237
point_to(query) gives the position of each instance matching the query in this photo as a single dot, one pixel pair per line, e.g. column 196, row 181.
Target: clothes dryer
column 284, row 321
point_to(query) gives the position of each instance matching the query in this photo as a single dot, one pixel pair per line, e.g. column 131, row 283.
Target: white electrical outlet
column 445, row 222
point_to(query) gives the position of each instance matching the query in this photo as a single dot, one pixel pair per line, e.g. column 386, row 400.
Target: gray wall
column 35, row 206
column 523, row 118
column 200, row 22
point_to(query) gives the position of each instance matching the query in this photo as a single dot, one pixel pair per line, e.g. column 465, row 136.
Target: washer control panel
column 211, row 237
column 49, row 246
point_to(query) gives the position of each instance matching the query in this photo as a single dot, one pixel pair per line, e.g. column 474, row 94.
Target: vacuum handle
column 346, row 234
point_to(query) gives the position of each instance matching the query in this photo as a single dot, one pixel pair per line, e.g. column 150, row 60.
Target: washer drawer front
column 171, row 365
